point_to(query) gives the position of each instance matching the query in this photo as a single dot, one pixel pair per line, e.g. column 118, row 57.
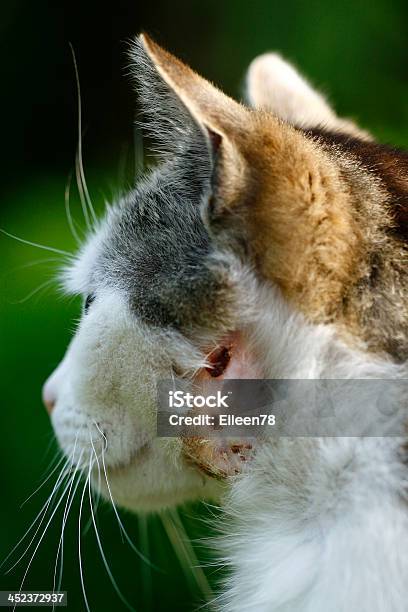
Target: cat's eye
column 89, row 299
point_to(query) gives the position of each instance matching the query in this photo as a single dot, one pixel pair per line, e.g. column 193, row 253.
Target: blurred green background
column 355, row 51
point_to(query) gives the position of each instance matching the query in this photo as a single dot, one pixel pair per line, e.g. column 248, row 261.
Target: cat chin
column 142, row 500
column 147, row 477
column 154, row 481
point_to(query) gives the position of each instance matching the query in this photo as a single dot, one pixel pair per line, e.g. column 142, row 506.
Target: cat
column 269, row 242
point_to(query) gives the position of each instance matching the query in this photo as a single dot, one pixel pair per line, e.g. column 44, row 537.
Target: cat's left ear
column 173, row 96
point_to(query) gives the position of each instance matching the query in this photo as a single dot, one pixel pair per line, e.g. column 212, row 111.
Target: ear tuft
column 172, row 91
column 187, row 115
column 164, row 117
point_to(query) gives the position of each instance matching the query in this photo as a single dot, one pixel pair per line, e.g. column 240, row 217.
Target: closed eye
column 89, row 299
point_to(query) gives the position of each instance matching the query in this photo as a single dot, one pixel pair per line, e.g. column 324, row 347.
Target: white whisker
column 62, row 458
column 47, row 283
column 103, row 556
column 67, row 508
column 60, row 550
column 37, row 245
column 82, row 194
column 89, row 523
column 50, row 445
column 99, row 472
column 81, row 181
column 102, row 434
column 122, row 528
column 34, row 262
column 64, row 472
column 68, row 211
column 42, row 512
column 79, row 536
column 43, row 534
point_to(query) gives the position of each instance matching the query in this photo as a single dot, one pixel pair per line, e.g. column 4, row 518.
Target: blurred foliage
column 355, row 51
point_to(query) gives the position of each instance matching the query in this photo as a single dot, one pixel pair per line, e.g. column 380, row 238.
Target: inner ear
column 215, row 140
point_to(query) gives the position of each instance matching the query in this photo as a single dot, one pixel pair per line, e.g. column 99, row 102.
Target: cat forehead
column 153, row 247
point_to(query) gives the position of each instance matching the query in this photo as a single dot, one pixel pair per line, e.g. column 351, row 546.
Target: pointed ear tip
column 148, row 43
column 141, row 41
column 142, row 46
column 264, row 60
column 143, row 38
column 270, row 65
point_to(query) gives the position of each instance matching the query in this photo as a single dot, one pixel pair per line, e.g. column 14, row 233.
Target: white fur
column 275, row 85
column 319, row 525
column 315, row 524
column 108, row 377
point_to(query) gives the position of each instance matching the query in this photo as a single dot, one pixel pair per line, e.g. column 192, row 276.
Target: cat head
column 203, row 270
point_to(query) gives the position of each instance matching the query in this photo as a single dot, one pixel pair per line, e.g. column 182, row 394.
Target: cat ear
column 185, row 112
column 273, row 84
column 175, row 96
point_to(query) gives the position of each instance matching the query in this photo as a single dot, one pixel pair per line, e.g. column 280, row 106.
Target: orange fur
column 313, row 217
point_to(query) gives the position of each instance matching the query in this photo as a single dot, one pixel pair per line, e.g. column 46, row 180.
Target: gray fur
column 158, row 249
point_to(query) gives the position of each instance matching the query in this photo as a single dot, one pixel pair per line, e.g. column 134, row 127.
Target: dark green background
column 355, row 51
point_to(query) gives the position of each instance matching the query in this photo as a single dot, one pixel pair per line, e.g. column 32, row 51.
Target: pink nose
column 48, row 397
